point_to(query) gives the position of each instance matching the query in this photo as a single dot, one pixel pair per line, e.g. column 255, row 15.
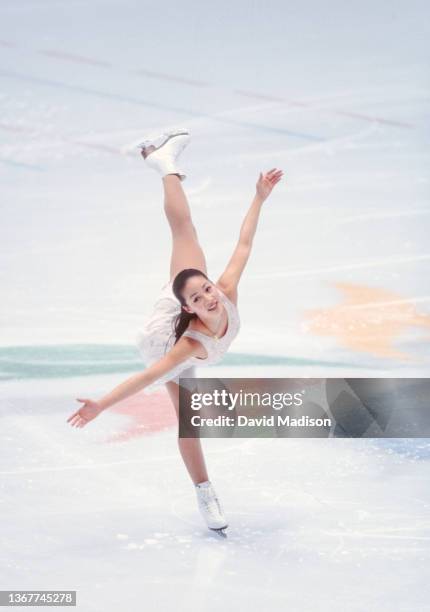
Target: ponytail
column 181, row 322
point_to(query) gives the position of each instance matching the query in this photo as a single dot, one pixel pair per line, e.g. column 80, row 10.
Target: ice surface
column 335, row 94
column 313, row 523
column 337, row 97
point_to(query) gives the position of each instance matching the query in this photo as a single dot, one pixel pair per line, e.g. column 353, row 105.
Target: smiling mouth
column 213, row 307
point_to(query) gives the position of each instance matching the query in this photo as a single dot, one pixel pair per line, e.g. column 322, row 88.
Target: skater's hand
column 85, row 414
column 267, row 181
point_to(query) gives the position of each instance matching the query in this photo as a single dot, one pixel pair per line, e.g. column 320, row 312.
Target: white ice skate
column 210, row 507
column 168, row 147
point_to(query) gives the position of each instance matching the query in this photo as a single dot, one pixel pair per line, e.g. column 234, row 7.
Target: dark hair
column 183, row 319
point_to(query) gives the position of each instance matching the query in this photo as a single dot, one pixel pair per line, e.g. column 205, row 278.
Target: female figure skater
column 194, row 320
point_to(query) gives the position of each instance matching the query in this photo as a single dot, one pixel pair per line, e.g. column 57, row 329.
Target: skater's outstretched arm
column 229, row 279
column 185, row 347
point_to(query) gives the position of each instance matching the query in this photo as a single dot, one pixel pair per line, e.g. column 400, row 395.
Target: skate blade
column 137, row 144
column 221, row 532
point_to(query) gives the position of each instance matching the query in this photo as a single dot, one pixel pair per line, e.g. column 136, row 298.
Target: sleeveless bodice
column 216, row 347
column 157, row 337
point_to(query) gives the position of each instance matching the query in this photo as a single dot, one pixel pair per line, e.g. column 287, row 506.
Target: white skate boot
column 168, row 147
column 210, row 507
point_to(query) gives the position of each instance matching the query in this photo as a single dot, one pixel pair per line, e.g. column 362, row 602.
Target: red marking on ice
column 259, row 96
column 91, row 145
column 148, row 414
column 375, row 119
column 253, row 94
column 71, row 57
column 170, row 77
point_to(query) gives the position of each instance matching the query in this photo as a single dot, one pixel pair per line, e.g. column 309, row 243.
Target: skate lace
column 210, row 503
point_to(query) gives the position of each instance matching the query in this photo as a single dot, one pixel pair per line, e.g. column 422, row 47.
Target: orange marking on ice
column 149, row 413
column 368, row 320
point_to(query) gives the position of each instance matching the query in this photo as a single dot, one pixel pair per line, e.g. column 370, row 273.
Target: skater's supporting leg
column 186, row 250
column 190, row 448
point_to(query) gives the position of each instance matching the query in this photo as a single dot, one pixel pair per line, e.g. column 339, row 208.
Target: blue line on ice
column 169, row 109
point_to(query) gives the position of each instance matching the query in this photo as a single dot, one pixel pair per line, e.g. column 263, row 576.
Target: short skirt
column 157, row 336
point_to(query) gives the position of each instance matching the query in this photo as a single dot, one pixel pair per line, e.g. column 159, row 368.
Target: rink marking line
column 162, row 107
column 354, row 266
column 123, row 150
column 20, row 165
column 327, row 147
column 80, row 59
column 375, row 119
column 91, row 145
column 169, row 77
column 76, row 58
column 258, row 96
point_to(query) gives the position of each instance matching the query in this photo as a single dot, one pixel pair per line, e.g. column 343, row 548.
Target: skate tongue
column 203, row 485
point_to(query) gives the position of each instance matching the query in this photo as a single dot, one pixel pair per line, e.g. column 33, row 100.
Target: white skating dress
column 157, row 337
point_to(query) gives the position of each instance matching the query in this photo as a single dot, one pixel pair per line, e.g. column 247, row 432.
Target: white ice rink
column 337, row 95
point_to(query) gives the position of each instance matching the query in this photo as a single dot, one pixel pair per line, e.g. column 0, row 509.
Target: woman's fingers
column 76, row 419
column 272, row 173
column 80, row 423
column 275, row 178
column 71, row 417
column 271, row 177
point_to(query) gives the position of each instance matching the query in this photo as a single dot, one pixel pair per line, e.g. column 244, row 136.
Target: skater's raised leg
column 186, row 250
column 161, row 154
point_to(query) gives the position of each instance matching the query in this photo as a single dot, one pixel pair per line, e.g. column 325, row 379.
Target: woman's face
column 201, row 297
